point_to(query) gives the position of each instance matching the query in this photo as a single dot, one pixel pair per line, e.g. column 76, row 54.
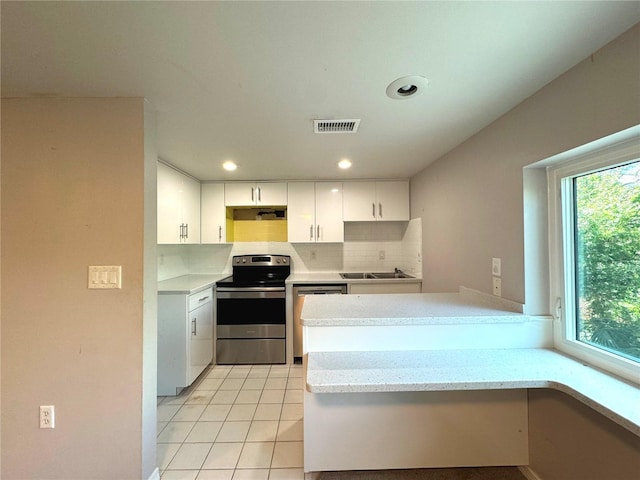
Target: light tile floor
column 239, row 422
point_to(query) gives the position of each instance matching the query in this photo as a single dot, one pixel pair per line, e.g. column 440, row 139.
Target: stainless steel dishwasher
column 301, row 291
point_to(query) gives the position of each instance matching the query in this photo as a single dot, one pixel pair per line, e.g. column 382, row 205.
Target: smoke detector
column 336, row 126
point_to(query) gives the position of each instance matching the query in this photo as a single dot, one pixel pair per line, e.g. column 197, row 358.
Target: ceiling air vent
column 336, row 126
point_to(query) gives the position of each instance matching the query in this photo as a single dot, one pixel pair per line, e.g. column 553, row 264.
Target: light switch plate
column 496, row 267
column 101, row 277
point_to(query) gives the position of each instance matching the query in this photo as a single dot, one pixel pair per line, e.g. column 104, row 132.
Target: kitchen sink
column 374, row 275
column 356, row 276
column 391, row 275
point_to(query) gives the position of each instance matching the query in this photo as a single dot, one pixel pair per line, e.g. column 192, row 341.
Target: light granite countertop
column 405, row 309
column 440, row 370
column 319, row 278
column 188, row 284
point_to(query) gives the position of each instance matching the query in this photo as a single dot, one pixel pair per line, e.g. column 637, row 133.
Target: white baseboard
column 530, row 474
column 155, row 475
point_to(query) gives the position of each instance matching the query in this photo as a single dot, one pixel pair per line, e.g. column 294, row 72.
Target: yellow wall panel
column 260, row 231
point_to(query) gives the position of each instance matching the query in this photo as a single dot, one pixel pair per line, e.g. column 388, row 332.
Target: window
column 606, row 255
column 594, row 226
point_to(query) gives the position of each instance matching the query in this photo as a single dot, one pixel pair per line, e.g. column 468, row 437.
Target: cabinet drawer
column 201, row 298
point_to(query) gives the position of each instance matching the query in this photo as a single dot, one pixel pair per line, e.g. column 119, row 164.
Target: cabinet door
column 237, row 194
column 301, row 219
column 271, row 194
column 201, row 343
column 213, row 218
column 190, row 209
column 359, row 199
column 169, row 214
column 329, row 221
column 392, row 200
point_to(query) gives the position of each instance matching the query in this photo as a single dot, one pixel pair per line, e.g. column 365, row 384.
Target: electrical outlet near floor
column 381, row 255
column 497, row 286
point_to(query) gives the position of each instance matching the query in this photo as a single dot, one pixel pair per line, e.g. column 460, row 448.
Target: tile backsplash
column 365, row 243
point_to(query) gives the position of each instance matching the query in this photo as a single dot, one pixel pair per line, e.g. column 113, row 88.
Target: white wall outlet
column 313, row 255
column 47, row 416
column 496, row 267
column 497, row 286
column 381, row 255
column 105, row 277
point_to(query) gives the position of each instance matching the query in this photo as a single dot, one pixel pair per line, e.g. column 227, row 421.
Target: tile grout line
column 244, row 374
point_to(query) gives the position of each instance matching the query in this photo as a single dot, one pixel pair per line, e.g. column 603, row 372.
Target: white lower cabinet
column 185, row 339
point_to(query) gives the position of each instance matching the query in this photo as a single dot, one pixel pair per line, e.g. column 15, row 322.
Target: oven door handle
column 275, row 292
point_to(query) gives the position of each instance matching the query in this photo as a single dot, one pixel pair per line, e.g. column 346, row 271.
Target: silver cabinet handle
column 373, row 210
column 310, row 232
column 252, row 198
column 220, row 233
column 380, row 210
column 194, row 328
column 318, row 232
column 259, row 194
column 186, row 230
column 203, row 298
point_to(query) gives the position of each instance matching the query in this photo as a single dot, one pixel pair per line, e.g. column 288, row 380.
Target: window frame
column 617, row 149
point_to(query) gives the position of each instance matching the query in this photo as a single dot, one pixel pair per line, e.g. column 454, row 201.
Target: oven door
column 251, row 312
column 251, row 326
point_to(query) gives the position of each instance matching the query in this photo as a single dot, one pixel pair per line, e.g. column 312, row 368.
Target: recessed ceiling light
column 344, row 163
column 229, row 166
column 406, row 87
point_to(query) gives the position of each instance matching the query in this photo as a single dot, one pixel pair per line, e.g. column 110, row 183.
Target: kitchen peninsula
column 435, row 380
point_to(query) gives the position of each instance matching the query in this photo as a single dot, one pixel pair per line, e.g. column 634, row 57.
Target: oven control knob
column 244, row 260
column 284, row 260
column 278, row 260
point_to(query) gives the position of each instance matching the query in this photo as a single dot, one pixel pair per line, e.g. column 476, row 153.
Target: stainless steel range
column 251, row 311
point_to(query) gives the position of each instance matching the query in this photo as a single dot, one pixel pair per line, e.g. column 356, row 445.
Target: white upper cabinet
column 178, row 207
column 314, row 212
column 376, row 201
column 239, row 194
column 213, row 214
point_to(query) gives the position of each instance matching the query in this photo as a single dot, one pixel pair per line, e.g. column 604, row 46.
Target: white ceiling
column 244, row 80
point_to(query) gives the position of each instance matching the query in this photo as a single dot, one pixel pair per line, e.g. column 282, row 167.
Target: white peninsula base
column 366, row 411
column 396, row 430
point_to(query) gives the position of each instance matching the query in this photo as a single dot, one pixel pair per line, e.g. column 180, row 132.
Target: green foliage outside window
column 607, row 216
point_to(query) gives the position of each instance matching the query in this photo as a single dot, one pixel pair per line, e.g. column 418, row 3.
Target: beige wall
column 73, row 184
column 470, row 200
column 570, row 441
column 471, row 204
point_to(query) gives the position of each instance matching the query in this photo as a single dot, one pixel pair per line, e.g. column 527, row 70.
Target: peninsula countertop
column 408, row 309
column 439, row 370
